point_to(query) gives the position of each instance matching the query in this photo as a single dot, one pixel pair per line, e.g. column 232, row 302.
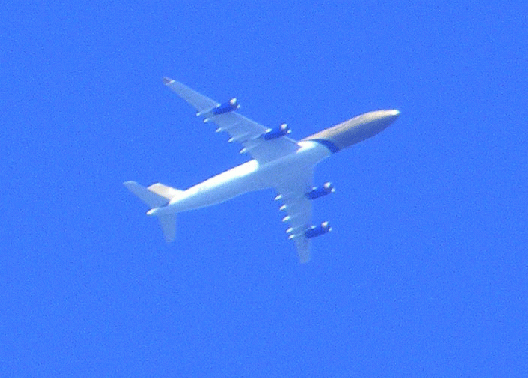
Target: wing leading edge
column 240, row 129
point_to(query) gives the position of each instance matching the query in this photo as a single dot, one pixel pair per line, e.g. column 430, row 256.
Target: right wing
column 292, row 193
column 240, row 128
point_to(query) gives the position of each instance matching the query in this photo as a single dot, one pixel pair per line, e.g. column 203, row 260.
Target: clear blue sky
column 426, row 271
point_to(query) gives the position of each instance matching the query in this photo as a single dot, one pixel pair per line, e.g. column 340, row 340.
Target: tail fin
column 158, row 195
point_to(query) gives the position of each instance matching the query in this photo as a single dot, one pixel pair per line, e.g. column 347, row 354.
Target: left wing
column 292, row 193
column 241, row 129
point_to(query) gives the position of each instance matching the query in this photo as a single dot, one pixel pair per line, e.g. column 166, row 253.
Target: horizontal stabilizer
column 149, row 197
column 155, row 196
column 168, row 225
column 165, row 191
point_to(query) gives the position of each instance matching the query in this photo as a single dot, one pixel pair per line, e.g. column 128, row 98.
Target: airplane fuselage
column 244, row 178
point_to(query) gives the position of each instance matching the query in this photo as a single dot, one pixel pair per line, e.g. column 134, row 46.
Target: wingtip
column 170, row 239
column 167, row 80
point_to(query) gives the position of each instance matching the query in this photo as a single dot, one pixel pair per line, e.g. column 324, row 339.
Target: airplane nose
column 356, row 129
column 392, row 114
column 379, row 119
column 386, row 117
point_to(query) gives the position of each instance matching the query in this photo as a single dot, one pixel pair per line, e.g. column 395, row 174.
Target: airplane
column 278, row 162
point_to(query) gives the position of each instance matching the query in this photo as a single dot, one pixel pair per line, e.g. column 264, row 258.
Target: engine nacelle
column 314, row 231
column 226, row 107
column 220, row 109
column 276, row 132
column 324, row 190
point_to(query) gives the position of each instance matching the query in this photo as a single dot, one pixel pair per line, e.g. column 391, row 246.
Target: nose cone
column 379, row 118
column 383, row 119
column 392, row 114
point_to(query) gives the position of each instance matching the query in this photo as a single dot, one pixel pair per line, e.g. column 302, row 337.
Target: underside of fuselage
column 247, row 177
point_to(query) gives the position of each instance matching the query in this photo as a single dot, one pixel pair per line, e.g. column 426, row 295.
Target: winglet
column 167, row 80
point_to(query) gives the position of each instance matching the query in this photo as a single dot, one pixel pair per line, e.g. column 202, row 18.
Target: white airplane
column 278, row 162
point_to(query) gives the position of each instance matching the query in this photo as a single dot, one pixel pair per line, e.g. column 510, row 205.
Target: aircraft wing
column 292, row 193
column 239, row 128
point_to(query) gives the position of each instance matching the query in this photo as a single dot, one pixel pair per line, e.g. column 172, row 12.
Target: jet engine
column 324, row 190
column 226, row 107
column 314, row 231
column 276, row 132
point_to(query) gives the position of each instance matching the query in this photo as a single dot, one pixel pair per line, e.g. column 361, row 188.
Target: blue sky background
column 426, row 271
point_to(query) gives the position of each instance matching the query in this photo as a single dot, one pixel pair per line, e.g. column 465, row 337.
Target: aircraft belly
column 249, row 177
column 239, row 180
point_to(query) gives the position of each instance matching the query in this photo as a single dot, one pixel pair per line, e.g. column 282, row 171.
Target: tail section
column 158, row 195
column 146, row 195
column 165, row 191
